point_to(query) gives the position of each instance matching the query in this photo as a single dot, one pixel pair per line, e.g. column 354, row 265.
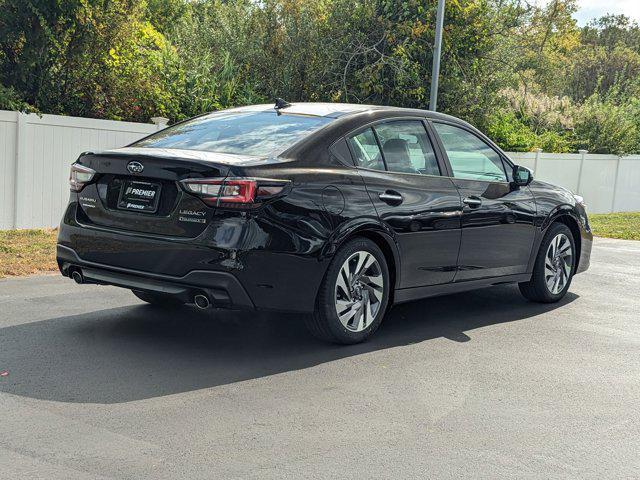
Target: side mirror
column 522, row 176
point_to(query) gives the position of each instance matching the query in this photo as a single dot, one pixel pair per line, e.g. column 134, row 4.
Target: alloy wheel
column 359, row 291
column 558, row 263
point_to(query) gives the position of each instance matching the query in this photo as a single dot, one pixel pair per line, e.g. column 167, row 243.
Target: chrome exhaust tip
column 201, row 301
column 76, row 275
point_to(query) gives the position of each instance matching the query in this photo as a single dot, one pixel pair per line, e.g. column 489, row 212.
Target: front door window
column 470, row 157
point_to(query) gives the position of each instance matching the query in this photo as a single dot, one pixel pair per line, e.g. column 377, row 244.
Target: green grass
column 25, row 252
column 616, row 225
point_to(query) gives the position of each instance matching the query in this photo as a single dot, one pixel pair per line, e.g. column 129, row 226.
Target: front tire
column 553, row 268
column 354, row 294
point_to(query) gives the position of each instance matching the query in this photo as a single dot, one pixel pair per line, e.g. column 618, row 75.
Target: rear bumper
column 259, row 264
column 222, row 288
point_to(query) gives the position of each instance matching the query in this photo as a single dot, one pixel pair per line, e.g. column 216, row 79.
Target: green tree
column 86, row 58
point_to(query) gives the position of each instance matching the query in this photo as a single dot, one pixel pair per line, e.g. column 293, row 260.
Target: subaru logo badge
column 135, row 167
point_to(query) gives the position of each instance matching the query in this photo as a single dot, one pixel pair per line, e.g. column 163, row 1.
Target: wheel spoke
column 342, row 305
column 348, row 315
column 359, row 320
column 374, row 285
column 365, row 260
column 549, row 260
column 370, row 261
column 343, row 285
column 376, row 291
column 566, row 247
column 361, row 257
column 559, row 243
column 367, row 311
column 374, row 280
column 549, row 270
column 565, row 279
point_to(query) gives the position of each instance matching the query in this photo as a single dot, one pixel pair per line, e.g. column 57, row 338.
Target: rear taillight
column 234, row 192
column 80, row 176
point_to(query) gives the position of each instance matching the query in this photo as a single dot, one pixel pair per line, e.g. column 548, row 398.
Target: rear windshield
column 246, row 133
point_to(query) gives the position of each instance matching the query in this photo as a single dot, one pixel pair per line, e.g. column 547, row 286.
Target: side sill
column 402, row 295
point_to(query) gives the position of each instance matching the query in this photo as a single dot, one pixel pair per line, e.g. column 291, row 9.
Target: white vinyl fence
column 35, row 154
column 608, row 183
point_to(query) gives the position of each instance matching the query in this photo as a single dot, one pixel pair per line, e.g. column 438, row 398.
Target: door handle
column 472, row 201
column 391, row 197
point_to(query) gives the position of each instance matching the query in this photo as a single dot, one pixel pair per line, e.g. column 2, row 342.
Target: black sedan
column 335, row 211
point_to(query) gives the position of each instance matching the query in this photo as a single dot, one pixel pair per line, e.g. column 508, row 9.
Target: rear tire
column 353, row 296
column 157, row 299
column 553, row 268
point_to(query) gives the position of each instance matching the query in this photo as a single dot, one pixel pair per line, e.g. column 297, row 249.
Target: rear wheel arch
column 384, row 241
column 389, row 250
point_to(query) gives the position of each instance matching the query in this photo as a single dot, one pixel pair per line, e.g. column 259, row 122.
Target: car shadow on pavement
column 138, row 352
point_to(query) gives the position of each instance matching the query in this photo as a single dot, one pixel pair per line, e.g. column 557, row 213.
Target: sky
column 589, row 9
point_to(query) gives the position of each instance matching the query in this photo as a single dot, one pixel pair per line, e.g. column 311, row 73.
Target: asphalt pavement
column 94, row 384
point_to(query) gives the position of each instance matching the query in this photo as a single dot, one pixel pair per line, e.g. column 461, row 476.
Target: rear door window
column 365, row 150
column 406, row 147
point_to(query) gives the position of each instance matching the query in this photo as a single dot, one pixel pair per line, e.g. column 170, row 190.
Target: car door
column 498, row 217
column 403, row 177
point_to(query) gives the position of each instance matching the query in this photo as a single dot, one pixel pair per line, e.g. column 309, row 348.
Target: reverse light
column 79, row 176
column 233, row 191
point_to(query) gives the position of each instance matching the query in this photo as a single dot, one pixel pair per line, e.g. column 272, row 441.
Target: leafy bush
column 559, row 142
column 510, row 133
column 603, row 126
column 11, row 100
column 513, row 135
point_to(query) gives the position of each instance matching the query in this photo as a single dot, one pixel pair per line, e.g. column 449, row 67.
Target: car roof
column 316, row 109
column 337, row 110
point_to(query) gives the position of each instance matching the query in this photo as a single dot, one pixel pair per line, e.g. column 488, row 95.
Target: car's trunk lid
column 137, row 189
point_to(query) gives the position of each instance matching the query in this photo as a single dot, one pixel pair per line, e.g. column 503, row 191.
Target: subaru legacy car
column 335, row 211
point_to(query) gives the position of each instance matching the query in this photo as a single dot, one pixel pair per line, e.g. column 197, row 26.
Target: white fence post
column 583, row 154
column 615, row 184
column 19, row 169
column 161, row 122
column 536, row 160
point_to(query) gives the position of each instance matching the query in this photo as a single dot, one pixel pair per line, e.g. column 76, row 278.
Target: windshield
column 245, row 133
